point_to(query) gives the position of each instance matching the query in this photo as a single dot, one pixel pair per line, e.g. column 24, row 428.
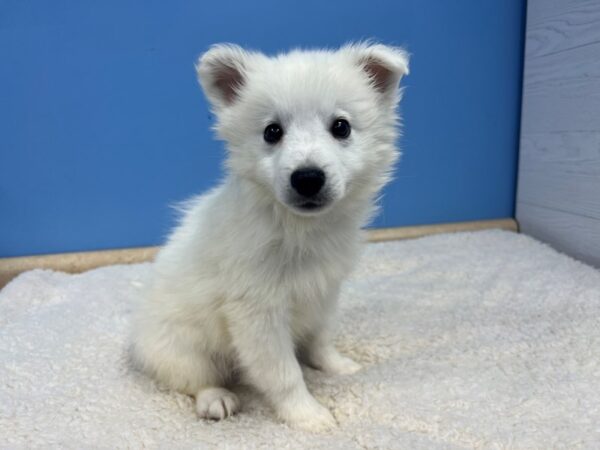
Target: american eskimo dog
column 247, row 284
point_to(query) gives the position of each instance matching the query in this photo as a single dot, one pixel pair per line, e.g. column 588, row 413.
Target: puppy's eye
column 273, row 133
column 340, row 128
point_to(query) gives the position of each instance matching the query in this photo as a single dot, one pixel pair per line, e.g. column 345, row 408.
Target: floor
column 470, row 340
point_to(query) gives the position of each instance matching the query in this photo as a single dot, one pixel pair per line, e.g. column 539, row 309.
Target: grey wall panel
column 561, row 91
column 558, row 197
column 561, row 170
column 575, row 235
column 557, row 26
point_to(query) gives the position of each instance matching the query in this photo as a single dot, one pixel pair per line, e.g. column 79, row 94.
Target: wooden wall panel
column 558, row 197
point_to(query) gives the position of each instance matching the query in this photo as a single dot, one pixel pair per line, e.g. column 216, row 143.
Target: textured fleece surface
column 470, row 340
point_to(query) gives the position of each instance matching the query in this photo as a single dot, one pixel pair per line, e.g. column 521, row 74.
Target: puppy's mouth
column 309, row 207
column 313, row 205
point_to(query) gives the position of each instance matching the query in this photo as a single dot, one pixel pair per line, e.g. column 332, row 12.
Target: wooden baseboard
column 393, row 234
column 82, row 261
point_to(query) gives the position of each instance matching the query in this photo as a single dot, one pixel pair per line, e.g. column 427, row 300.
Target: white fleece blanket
column 470, row 340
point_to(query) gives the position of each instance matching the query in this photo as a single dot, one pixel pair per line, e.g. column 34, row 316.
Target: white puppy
column 249, row 280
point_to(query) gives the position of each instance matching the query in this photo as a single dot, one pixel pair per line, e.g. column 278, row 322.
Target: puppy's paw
column 329, row 360
column 216, row 403
column 342, row 365
column 333, row 363
column 309, row 417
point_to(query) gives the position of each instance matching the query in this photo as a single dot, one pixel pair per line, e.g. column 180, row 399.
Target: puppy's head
column 313, row 128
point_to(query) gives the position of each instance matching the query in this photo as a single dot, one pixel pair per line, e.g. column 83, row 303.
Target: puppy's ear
column 222, row 73
column 384, row 65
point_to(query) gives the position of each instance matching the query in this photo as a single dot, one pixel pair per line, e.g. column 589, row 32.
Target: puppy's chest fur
column 305, row 276
column 310, row 281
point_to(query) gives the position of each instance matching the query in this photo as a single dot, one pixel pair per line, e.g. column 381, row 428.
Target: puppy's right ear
column 222, row 73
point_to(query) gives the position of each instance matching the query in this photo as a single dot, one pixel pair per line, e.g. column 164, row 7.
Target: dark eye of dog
column 273, row 133
column 340, row 128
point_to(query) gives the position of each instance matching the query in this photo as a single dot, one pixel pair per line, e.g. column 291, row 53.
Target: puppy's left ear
column 384, row 65
column 222, row 73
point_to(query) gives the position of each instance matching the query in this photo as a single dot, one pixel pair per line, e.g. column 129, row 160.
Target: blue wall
column 102, row 124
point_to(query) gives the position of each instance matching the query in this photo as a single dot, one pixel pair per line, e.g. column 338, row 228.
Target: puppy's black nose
column 308, row 181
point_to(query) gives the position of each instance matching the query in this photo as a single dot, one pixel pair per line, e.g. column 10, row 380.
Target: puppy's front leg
column 321, row 354
column 261, row 336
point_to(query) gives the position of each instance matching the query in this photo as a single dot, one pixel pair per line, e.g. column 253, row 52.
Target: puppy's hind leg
column 216, row 403
column 183, row 367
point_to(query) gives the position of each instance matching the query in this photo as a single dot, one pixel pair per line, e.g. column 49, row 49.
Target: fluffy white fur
column 248, row 283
